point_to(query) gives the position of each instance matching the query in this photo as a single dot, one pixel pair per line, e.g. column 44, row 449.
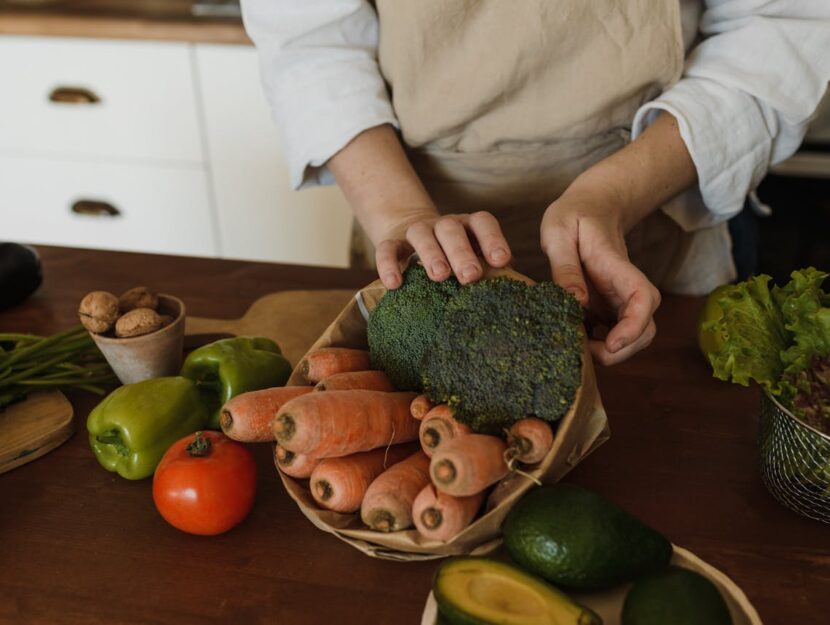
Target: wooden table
column 80, row 545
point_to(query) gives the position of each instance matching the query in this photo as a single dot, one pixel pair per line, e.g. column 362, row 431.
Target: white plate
column 609, row 604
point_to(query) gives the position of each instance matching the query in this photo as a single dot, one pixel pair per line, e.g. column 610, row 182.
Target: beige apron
column 503, row 103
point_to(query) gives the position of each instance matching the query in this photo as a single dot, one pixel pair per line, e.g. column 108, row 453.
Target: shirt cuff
column 729, row 139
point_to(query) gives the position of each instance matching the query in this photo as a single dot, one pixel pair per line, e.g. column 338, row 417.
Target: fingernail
column 391, row 279
column 469, row 272
column 618, row 345
column 439, row 268
column 576, row 292
column 498, row 254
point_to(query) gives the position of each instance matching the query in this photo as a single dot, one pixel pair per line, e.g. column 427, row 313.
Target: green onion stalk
column 66, row 360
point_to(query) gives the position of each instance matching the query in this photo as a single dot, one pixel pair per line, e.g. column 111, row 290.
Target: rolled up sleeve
column 318, row 60
column 746, row 97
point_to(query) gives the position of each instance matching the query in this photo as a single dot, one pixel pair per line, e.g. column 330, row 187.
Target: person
column 602, row 144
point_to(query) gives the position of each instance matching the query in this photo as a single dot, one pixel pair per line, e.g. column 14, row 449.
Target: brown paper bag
column 581, row 431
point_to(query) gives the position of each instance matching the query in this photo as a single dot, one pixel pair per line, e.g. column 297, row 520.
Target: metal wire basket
column 795, row 461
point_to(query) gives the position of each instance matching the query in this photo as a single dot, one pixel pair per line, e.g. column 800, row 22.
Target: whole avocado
column 677, row 596
column 578, row 539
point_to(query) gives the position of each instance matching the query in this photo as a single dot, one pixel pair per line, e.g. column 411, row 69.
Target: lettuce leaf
column 806, row 311
column 753, row 332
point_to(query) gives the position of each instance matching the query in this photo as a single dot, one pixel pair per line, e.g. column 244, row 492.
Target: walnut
column 137, row 322
column 138, row 297
column 98, row 311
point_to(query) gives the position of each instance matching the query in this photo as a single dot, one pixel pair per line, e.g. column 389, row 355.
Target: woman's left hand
column 582, row 234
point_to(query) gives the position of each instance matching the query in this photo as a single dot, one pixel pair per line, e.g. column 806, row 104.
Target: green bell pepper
column 133, row 426
column 229, row 367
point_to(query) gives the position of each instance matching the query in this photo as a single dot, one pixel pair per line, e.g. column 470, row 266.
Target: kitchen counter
column 157, row 20
column 82, row 545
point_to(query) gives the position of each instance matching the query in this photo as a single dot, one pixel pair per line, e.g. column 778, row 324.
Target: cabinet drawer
column 148, row 209
column 98, row 98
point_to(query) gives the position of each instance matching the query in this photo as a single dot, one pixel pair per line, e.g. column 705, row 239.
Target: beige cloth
column 503, row 103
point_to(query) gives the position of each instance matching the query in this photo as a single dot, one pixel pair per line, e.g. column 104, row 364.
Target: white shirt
column 748, row 91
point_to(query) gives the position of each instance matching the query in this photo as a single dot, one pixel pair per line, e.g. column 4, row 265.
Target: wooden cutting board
column 294, row 319
column 33, row 427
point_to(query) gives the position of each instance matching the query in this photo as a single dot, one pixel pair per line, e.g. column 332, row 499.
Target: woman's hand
column 445, row 244
column 583, row 236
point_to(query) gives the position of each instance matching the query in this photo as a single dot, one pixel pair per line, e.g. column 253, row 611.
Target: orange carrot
column 420, row 406
column 440, row 516
column 438, row 427
column 349, row 380
column 295, row 465
column 339, row 423
column 529, row 440
column 247, row 417
column 387, row 505
column 326, row 361
column 339, row 484
column 468, row 464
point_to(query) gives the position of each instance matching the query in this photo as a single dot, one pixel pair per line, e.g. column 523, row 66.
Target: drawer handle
column 96, row 208
column 73, row 95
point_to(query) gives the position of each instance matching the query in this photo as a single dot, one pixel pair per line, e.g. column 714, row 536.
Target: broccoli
column 404, row 322
column 506, row 350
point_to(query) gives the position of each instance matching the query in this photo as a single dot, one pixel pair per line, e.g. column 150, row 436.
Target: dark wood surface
column 80, row 545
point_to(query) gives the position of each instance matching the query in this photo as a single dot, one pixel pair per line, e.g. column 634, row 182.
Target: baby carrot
column 440, row 516
column 529, row 440
column 387, row 505
column 420, row 406
column 438, row 427
column 349, row 380
column 468, row 464
column 295, row 465
column 247, row 417
column 339, row 484
column 339, row 423
column 326, row 361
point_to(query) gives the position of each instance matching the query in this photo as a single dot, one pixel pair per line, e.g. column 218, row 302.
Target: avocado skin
column 676, row 596
column 578, row 539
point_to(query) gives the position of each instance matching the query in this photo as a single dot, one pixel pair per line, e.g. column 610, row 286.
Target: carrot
column 438, row 427
column 468, row 464
column 420, row 406
column 247, row 417
column 440, row 516
column 387, row 505
column 529, row 440
column 326, row 361
column 339, row 484
column 349, row 380
column 339, row 423
column 295, row 465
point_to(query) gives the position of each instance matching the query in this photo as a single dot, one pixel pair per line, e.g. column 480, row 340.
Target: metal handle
column 96, row 208
column 73, row 95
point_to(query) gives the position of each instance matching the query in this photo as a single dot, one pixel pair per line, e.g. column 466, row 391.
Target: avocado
column 677, row 596
column 480, row 591
column 578, row 539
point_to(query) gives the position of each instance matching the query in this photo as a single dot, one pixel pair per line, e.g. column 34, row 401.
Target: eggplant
column 20, row 273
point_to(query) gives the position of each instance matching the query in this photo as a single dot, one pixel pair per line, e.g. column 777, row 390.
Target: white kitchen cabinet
column 106, row 206
column 178, row 139
column 258, row 214
column 98, row 99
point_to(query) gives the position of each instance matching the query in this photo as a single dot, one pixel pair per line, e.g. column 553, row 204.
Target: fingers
column 387, row 258
column 452, row 235
column 486, row 230
column 560, row 246
column 601, row 354
column 422, row 239
column 639, row 301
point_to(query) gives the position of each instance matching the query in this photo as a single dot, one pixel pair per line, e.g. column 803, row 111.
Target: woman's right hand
column 445, row 245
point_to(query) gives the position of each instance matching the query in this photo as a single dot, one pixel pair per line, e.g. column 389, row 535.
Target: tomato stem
column 199, row 447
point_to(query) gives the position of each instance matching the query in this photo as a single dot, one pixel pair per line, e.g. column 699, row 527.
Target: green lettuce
column 806, row 310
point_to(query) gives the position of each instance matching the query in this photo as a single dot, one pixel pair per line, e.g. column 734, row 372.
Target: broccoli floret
column 506, row 350
column 403, row 324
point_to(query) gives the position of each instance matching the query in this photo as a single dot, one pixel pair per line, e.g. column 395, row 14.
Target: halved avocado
column 480, row 591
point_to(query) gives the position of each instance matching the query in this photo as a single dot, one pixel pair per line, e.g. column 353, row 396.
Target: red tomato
column 209, row 493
